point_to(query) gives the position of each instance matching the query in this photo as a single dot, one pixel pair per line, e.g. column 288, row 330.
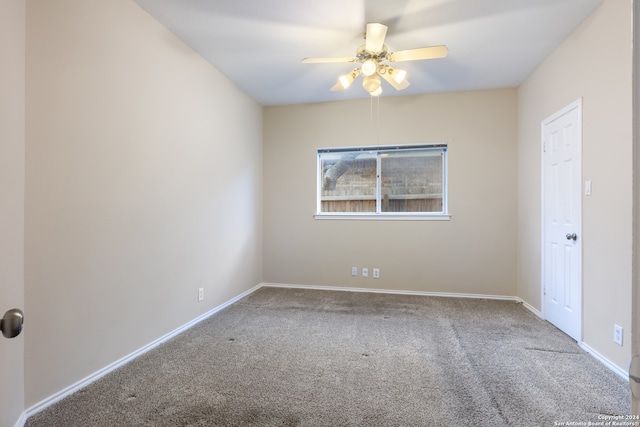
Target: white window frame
column 378, row 215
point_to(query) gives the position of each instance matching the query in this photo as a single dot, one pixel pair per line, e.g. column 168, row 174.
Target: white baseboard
column 531, row 308
column 21, row 420
column 615, row 368
column 107, row 369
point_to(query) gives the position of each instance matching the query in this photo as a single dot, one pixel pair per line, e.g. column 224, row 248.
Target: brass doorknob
column 11, row 323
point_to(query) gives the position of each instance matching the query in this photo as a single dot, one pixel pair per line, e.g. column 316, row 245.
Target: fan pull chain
column 370, row 112
column 375, row 128
column 378, row 132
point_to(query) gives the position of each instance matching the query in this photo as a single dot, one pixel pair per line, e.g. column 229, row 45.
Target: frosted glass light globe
column 369, row 67
column 371, row 83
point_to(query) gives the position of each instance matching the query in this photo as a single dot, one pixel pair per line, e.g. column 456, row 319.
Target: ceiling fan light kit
column 398, row 75
column 371, row 83
column 346, row 80
column 369, row 67
column 376, row 92
column 372, row 54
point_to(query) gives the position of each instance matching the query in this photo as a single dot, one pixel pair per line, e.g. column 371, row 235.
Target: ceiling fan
column 373, row 55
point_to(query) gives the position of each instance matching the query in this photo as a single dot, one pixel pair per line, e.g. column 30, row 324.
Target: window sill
column 385, row 217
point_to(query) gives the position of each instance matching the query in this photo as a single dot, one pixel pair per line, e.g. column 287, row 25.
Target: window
column 383, row 182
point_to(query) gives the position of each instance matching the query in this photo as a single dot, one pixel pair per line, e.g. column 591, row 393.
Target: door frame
column 575, row 104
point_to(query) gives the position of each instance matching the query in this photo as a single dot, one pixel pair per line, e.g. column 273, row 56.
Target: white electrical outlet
column 617, row 334
column 365, row 272
column 354, row 271
column 200, row 294
column 376, row 273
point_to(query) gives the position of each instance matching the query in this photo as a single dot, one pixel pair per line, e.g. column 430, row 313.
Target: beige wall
column 12, row 140
column 143, row 183
column 472, row 253
column 594, row 64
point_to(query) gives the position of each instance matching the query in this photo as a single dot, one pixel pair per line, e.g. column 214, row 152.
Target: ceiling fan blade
column 390, row 75
column 432, row 52
column 325, row 60
column 375, row 37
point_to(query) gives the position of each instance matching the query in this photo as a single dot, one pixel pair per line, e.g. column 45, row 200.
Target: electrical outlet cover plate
column 365, row 272
column 354, row 271
column 617, row 334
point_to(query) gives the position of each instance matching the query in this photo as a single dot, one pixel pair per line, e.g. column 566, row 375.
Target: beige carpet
column 291, row 357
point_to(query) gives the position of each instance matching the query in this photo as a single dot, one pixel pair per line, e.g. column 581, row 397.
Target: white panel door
column 562, row 240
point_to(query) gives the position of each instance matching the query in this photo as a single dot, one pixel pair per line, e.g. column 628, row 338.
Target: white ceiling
column 258, row 44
